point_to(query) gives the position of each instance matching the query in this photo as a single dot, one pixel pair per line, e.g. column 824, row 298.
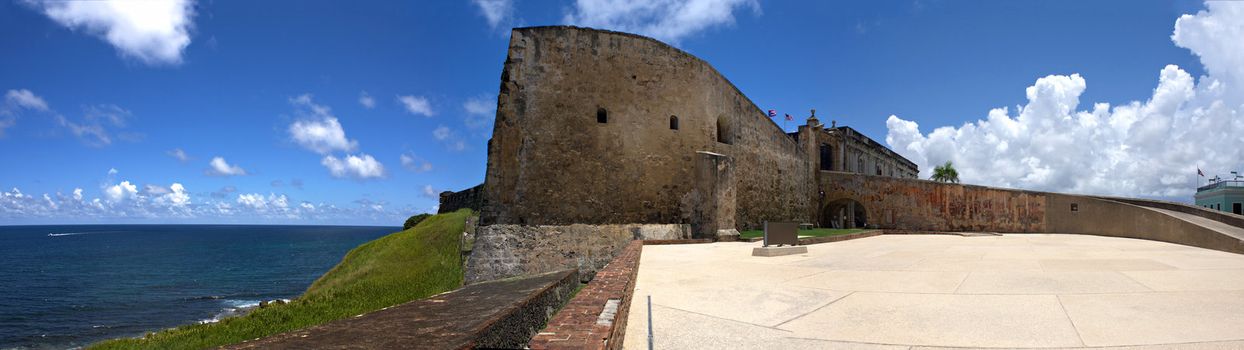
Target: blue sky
column 359, row 113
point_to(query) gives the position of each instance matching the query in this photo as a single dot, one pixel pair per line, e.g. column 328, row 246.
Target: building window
column 1075, row 207
column 673, row 122
column 1235, row 208
column 724, row 133
column 859, row 165
column 602, row 116
column 827, row 157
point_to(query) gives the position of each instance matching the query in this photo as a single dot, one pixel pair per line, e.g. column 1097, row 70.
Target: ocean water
column 69, row 286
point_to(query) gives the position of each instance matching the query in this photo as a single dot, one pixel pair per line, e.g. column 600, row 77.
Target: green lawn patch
column 816, row 232
column 403, row 266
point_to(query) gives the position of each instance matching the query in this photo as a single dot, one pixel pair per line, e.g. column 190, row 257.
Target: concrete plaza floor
column 932, row 291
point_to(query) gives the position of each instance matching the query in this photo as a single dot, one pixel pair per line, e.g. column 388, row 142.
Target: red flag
column 789, row 118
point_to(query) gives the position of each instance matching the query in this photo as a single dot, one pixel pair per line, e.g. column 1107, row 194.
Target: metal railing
column 1221, row 184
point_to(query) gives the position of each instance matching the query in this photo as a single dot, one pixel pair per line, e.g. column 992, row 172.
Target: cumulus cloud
column 416, row 105
column 125, row 202
column 220, row 167
column 414, row 163
column 122, row 191
column 666, row 20
column 319, row 131
column 496, row 11
column 366, row 100
column 154, row 32
column 430, row 192
column 362, row 166
column 178, row 154
column 1151, row 148
column 257, row 201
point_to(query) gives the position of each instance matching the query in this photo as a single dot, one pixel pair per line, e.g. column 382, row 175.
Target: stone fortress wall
column 600, row 133
column 599, row 127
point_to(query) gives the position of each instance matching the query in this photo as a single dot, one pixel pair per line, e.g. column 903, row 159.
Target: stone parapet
column 501, row 251
column 596, row 317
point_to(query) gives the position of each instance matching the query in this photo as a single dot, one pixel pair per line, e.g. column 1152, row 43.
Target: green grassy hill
column 391, row 270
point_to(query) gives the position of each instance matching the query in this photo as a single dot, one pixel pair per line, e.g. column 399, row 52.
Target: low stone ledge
column 839, row 238
column 585, row 322
column 499, row 314
column 677, row 241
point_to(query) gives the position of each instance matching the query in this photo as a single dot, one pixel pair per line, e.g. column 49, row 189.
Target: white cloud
column 112, row 171
column 666, row 20
column 480, row 111
column 220, row 167
column 414, row 163
column 154, row 32
column 449, row 138
column 92, row 129
column 91, row 134
column 122, row 191
column 496, row 11
column 1151, row 148
column 366, row 100
column 441, row 133
column 360, row 167
column 178, row 154
column 320, row 132
column 416, row 105
column 430, row 192
column 25, row 99
column 126, row 202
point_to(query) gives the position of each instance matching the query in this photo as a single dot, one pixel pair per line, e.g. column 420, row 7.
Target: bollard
column 649, row 322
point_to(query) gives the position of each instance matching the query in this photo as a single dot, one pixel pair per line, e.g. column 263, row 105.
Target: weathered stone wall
column 551, row 162
column 920, row 205
column 472, row 198
column 502, row 251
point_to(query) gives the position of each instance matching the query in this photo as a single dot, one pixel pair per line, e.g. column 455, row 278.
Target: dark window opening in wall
column 673, row 122
column 827, row 157
column 878, row 170
column 1075, row 207
column 1235, row 208
column 602, row 116
column 859, row 165
column 724, row 133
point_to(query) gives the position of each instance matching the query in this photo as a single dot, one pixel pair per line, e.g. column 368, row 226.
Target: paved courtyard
column 931, row 291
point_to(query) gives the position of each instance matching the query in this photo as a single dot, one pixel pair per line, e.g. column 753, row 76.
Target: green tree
column 946, row 173
column 414, row 220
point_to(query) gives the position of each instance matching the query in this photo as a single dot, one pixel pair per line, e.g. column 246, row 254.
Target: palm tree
column 945, row 173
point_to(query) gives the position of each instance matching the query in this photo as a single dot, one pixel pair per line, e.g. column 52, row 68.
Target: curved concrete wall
column 1105, row 217
column 551, row 162
column 921, row 205
column 1216, row 215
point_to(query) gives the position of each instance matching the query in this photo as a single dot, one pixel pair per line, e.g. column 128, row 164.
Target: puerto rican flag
column 789, row 118
column 772, row 113
column 1198, row 172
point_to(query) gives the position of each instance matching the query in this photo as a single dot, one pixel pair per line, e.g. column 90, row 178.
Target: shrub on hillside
column 414, row 220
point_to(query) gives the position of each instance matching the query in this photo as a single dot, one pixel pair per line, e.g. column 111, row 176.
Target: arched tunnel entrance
column 844, row 213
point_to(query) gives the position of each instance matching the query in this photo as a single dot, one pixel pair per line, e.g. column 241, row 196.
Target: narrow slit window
column 602, row 116
column 673, row 122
